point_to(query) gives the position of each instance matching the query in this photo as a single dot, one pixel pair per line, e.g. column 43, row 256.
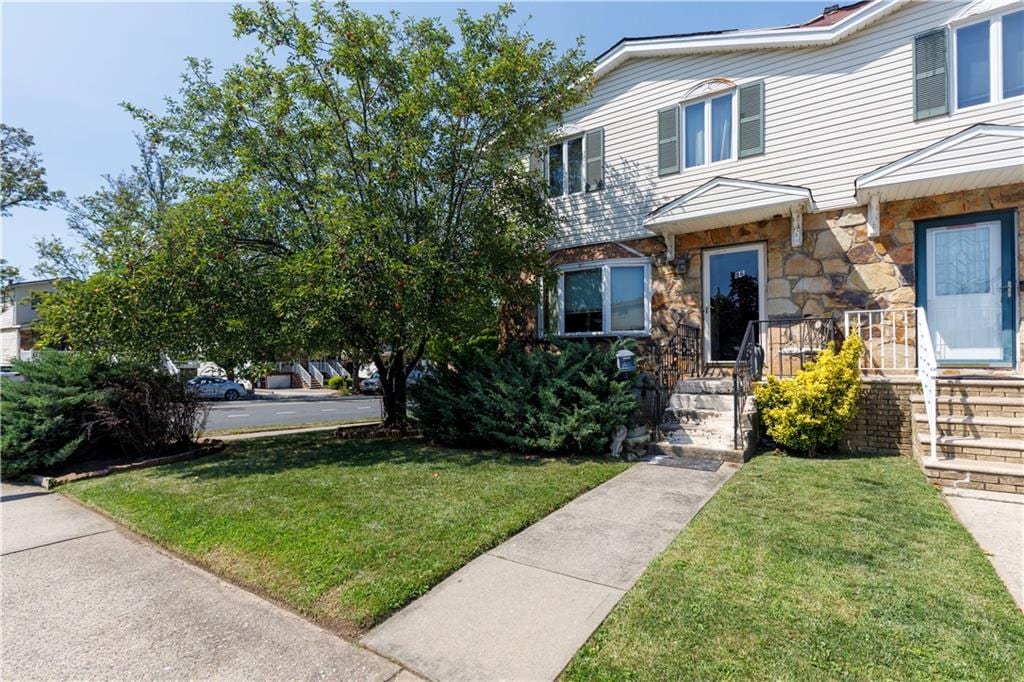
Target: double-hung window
column 989, row 60
column 576, row 164
column 608, row 298
column 707, row 131
column 720, row 127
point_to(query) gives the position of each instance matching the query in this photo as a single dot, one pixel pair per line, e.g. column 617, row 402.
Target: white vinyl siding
column 861, row 119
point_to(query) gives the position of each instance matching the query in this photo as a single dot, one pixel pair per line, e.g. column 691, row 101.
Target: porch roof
column 721, row 202
column 984, row 155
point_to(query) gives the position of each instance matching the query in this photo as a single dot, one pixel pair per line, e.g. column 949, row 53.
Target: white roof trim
column 810, row 36
column 879, row 178
column 780, row 197
column 982, row 8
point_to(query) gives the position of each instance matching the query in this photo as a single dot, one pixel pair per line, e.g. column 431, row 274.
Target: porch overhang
column 984, row 155
column 721, row 202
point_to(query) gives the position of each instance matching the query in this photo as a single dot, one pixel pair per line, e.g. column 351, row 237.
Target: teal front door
column 966, row 278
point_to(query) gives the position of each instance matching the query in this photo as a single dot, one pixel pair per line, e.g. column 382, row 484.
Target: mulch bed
column 75, row 471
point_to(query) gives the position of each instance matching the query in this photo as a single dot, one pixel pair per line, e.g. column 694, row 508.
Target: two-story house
column 864, row 169
column 16, row 317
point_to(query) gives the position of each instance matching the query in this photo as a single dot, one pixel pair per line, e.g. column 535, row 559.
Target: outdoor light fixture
column 626, row 361
column 682, row 263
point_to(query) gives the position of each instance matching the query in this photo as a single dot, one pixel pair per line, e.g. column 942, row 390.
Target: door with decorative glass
column 965, row 278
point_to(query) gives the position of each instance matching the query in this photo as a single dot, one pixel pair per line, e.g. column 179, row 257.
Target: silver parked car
column 216, row 387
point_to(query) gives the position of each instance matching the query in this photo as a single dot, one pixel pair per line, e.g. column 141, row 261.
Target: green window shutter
column 594, row 144
column 668, row 140
column 751, row 119
column 931, row 74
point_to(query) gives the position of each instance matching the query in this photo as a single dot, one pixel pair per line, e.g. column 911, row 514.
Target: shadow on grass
column 833, row 455
column 301, row 451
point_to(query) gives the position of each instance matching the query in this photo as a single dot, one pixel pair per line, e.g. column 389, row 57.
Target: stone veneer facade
column 837, row 268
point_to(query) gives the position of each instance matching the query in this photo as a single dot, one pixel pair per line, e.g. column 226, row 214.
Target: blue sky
column 66, row 66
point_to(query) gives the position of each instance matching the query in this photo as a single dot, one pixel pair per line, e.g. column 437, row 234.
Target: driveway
column 81, row 600
column 242, row 414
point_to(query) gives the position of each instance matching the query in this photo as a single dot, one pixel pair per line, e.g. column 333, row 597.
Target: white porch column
column 796, row 226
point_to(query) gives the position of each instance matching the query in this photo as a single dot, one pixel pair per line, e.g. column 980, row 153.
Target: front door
column 965, row 279
column 733, row 296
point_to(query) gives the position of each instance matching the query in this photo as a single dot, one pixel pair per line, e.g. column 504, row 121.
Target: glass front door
column 968, row 285
column 733, row 286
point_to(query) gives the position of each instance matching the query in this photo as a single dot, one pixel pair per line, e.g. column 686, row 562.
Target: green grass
column 346, row 532
column 815, row 569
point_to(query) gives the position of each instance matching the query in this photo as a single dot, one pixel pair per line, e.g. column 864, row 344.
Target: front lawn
column 815, row 569
column 344, row 531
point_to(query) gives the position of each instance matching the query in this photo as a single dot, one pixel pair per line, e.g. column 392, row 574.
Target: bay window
column 606, row 298
column 989, row 60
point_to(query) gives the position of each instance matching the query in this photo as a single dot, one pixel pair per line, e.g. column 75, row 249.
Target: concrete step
column 699, row 451
column 1010, row 387
column 718, row 386
column 970, row 425
column 972, row 474
column 979, row 406
column 701, row 401
column 699, row 435
column 1009, row 450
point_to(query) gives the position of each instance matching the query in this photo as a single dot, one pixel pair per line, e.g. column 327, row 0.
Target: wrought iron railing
column 667, row 361
column 778, row 347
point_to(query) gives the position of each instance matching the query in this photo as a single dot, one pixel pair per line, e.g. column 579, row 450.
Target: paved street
column 81, row 600
column 252, row 413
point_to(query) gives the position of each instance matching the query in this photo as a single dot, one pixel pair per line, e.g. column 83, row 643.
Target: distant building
column 17, row 317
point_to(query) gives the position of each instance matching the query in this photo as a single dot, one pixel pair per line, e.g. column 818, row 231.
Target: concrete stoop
column 698, row 423
column 979, row 434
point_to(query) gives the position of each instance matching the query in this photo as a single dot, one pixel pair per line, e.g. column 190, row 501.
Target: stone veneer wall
column 836, row 268
column 884, row 422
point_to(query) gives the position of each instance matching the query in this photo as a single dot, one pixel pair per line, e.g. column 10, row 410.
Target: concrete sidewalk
column 996, row 520
column 83, row 601
column 522, row 610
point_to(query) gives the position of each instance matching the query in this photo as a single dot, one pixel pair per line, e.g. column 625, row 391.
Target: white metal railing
column 889, row 336
column 317, row 375
column 301, row 372
column 325, row 368
column 27, row 355
column 338, row 369
column 169, row 365
column 927, row 372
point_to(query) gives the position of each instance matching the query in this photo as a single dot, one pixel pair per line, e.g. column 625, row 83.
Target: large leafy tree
column 22, row 176
column 368, row 172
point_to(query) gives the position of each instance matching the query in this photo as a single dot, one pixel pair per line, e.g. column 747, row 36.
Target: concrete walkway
column 522, row 610
column 996, row 520
column 83, row 601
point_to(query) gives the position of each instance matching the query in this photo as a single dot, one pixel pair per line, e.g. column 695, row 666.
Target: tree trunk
column 393, row 376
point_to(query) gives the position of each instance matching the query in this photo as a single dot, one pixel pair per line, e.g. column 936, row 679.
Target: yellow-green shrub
column 812, row 410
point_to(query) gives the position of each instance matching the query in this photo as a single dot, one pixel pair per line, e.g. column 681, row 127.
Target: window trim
column 995, row 58
column 681, row 134
column 564, row 144
column 606, row 267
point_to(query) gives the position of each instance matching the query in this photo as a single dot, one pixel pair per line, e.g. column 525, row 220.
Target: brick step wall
column 978, row 426
column 977, row 406
column 989, row 388
column 961, row 447
column 992, row 476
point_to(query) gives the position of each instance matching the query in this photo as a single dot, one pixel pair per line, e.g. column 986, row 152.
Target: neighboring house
column 17, row 316
column 871, row 159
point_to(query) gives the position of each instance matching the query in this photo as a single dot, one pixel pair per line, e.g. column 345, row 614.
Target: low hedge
column 72, row 407
column 566, row 399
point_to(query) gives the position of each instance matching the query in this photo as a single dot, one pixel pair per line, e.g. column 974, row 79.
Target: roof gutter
column 774, row 38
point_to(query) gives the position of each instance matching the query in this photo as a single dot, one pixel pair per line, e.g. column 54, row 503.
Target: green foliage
column 343, row 385
column 812, row 410
column 356, row 185
column 566, row 400
column 22, row 176
column 73, row 406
